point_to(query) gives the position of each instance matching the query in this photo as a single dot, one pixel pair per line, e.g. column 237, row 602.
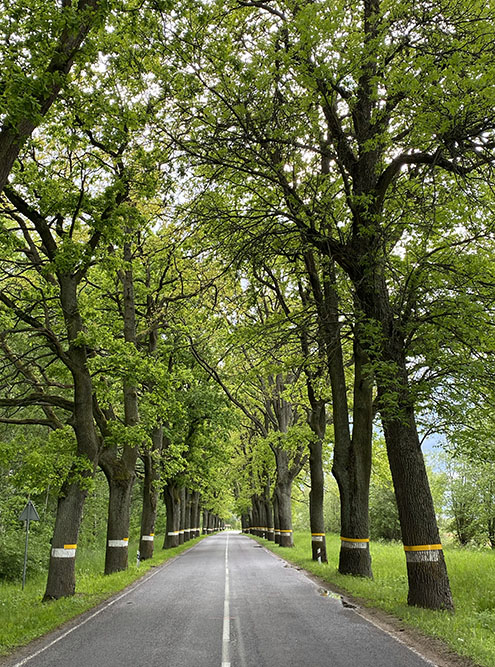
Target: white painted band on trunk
column 354, row 545
column 118, row 543
column 422, row 556
column 147, row 538
column 317, row 538
column 63, row 553
column 173, row 532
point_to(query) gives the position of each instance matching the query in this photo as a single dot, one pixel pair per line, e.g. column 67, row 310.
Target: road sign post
column 28, row 514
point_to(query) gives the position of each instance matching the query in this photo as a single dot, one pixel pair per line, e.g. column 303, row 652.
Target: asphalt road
column 226, row 602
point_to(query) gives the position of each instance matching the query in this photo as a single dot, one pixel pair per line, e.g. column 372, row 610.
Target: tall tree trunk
column 426, row 570
column 119, row 468
column 283, row 490
column 182, row 513
column 350, row 454
column 187, row 515
column 270, row 535
column 120, row 485
column 427, row 573
column 276, row 516
column 172, row 506
column 61, row 572
column 61, row 580
column 262, row 515
column 255, row 529
column 195, row 519
column 205, row 521
column 150, row 494
column 354, row 551
column 317, row 422
column 316, row 496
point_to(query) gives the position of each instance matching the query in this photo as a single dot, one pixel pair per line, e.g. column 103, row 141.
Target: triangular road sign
column 29, row 513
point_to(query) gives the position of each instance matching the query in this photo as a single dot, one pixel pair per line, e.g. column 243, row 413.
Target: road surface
column 227, row 602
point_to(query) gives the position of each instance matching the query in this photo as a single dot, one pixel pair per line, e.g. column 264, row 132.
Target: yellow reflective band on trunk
column 351, row 539
column 318, row 534
column 424, row 547
column 70, row 546
column 286, row 531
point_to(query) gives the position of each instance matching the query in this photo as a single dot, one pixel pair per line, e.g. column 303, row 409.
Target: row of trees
column 94, row 335
column 281, row 203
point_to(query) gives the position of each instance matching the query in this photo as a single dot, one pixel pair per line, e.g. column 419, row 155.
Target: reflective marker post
column 28, row 514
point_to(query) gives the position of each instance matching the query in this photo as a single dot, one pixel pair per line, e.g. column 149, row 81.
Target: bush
column 12, row 554
column 384, row 518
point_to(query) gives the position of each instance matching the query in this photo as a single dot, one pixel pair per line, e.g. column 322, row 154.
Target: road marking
column 226, row 613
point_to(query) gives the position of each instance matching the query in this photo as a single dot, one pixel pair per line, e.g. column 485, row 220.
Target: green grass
column 24, row 617
column 470, row 631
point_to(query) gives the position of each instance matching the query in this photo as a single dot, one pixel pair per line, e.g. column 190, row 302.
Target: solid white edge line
column 397, row 639
column 96, row 613
column 226, row 613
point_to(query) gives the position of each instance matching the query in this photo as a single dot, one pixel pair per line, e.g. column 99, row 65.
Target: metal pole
column 25, row 554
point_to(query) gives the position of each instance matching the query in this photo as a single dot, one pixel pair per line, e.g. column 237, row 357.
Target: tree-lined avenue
column 175, row 616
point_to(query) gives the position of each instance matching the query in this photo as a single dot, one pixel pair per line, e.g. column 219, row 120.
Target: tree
column 33, row 76
column 347, row 115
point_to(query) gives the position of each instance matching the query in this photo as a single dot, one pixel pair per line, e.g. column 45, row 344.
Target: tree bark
column 205, row 521
column 352, row 455
column 182, row 513
column 61, row 572
column 120, row 483
column 172, row 505
column 187, row 515
column 354, row 555
column 150, row 495
column 119, row 468
column 316, row 496
column 317, row 422
column 427, row 573
column 61, row 580
column 276, row 516
column 283, row 489
column 195, row 517
column 270, row 535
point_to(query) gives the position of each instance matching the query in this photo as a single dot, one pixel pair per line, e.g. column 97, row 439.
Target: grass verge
column 469, row 632
column 23, row 617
